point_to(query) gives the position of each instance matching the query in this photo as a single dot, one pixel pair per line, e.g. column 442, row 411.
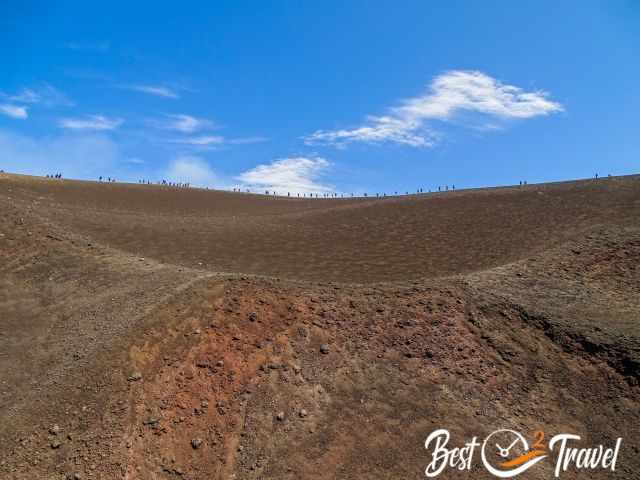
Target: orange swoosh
column 522, row 459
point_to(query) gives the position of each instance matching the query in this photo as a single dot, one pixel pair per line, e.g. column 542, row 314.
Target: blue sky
column 354, row 96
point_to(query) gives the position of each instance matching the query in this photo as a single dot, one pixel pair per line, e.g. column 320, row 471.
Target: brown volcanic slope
column 472, row 311
column 332, row 240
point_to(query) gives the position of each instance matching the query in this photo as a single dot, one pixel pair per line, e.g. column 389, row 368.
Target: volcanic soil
column 148, row 332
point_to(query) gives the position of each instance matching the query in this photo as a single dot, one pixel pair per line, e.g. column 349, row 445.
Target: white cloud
column 193, row 170
column 379, row 130
column 204, row 140
column 16, row 106
column 183, row 123
column 448, row 94
column 26, row 95
column 248, row 140
column 14, row 111
column 77, row 155
column 157, row 90
column 44, row 94
column 135, row 161
column 189, row 124
column 91, row 122
column 295, row 175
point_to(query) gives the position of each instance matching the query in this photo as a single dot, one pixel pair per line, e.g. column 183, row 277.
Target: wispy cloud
column 14, row 111
column 448, row 94
column 26, row 95
column 196, row 132
column 191, row 169
column 200, row 141
column 88, row 46
column 44, row 94
column 91, row 122
column 295, row 175
column 204, row 142
column 379, row 130
column 157, row 90
column 77, row 154
column 247, row 140
column 183, row 123
column 17, row 105
column 135, row 161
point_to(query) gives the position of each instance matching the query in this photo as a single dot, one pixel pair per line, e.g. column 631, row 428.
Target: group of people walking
column 149, row 182
column 446, row 188
column 172, row 184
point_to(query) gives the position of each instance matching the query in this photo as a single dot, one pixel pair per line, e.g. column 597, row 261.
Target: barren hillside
column 149, row 332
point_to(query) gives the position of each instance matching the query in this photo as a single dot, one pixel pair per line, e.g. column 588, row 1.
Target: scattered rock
column 55, row 430
column 56, row 444
column 324, row 348
column 280, row 416
column 253, row 316
column 196, row 443
column 135, row 376
column 303, row 413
